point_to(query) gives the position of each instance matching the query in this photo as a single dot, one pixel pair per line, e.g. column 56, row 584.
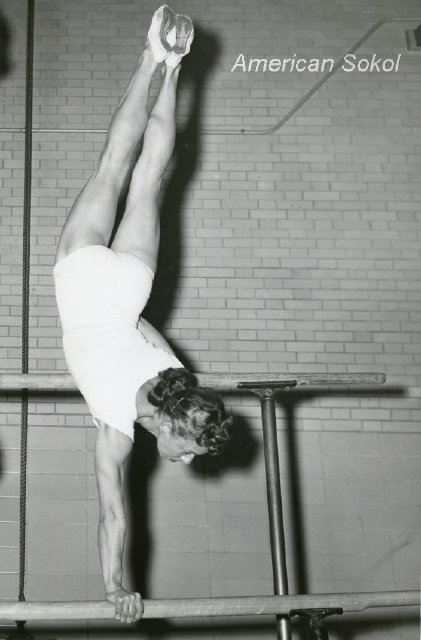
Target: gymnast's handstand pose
column 124, row 368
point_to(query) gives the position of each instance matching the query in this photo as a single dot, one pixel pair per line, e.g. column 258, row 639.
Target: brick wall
column 296, row 251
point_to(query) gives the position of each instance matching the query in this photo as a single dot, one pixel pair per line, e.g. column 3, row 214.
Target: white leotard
column 100, row 296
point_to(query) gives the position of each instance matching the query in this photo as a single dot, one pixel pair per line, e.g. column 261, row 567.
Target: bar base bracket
column 316, row 621
column 21, row 633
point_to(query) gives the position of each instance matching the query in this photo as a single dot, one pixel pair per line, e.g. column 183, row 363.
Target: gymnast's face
column 175, row 448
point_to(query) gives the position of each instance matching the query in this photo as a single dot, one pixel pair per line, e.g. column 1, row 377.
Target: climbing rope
column 25, row 289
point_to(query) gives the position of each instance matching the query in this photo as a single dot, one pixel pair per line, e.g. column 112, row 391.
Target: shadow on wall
column 187, row 150
column 5, row 38
column 193, row 78
column 243, row 449
column 240, row 454
column 143, row 465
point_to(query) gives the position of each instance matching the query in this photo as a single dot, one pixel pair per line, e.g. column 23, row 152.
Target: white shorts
column 100, row 296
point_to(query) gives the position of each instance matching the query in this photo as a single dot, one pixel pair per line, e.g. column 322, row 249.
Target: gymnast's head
column 191, row 420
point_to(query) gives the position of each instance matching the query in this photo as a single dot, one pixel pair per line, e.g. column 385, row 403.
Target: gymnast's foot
column 162, row 33
column 184, row 32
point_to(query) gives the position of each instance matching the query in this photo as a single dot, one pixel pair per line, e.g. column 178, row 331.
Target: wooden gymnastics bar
column 210, row 607
column 217, row 381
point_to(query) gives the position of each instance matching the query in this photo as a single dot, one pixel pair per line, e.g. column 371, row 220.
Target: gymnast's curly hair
column 196, row 413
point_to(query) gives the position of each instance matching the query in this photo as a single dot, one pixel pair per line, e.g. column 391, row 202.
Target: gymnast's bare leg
column 91, row 220
column 138, row 232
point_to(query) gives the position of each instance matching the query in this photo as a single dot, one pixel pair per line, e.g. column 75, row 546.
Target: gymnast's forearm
column 111, row 536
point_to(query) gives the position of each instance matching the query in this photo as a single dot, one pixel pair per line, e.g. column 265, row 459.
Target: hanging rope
column 25, row 287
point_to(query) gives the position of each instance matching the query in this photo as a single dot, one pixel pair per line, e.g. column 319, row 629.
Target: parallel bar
column 226, row 382
column 210, row 607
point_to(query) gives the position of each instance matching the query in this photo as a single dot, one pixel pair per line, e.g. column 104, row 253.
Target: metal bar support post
column 273, row 491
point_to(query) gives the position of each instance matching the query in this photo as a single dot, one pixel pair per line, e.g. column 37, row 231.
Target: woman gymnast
column 124, row 368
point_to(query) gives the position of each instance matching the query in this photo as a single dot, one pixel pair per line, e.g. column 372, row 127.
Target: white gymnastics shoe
column 162, row 33
column 184, row 33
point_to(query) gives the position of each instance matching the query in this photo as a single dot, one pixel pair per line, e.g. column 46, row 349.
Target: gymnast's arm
column 111, row 451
